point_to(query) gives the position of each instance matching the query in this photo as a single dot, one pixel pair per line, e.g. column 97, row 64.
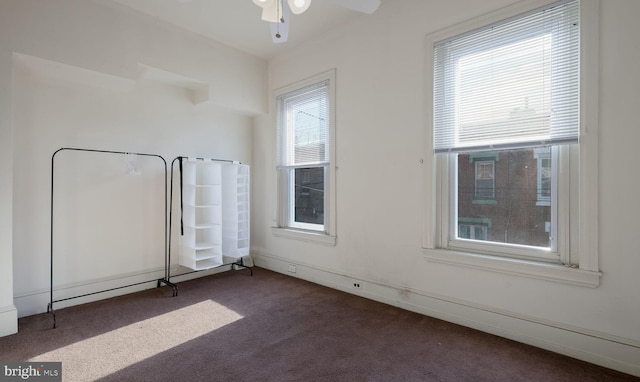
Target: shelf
column 206, row 225
column 201, row 263
column 205, row 254
column 207, row 263
column 204, row 245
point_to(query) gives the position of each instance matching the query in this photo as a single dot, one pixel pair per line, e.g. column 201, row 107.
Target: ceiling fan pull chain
column 278, row 35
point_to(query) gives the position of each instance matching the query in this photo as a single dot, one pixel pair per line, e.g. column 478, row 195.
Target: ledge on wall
column 199, row 91
column 40, row 67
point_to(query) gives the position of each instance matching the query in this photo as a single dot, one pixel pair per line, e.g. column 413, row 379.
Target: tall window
column 519, row 87
column 510, row 90
column 305, row 126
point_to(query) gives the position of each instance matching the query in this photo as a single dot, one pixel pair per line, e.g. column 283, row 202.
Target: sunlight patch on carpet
column 105, row 354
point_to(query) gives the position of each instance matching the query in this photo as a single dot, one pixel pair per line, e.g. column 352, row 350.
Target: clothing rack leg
column 242, row 265
column 167, row 259
column 53, row 313
column 169, row 283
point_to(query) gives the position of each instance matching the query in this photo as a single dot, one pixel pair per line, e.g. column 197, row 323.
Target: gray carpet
column 271, row 327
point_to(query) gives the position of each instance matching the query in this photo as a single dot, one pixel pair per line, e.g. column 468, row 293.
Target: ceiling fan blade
column 298, row 6
column 364, row 6
column 260, row 3
column 273, row 11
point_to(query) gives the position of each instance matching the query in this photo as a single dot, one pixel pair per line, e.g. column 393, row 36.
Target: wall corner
column 8, row 320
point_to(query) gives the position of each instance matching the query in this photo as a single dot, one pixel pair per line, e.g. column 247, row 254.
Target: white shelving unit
column 201, row 243
column 235, row 212
column 215, row 214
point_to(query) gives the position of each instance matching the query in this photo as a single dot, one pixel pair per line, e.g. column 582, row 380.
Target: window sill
column 492, row 202
column 308, row 236
column 536, row 270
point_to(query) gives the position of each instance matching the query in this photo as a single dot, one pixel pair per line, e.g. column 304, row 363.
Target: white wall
column 380, row 142
column 87, row 74
column 8, row 312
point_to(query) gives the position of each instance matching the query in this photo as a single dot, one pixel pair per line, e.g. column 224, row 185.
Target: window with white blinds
column 304, row 121
column 306, row 180
column 511, row 84
column 517, row 86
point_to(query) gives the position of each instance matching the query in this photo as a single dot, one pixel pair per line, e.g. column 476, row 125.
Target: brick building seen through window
column 504, row 196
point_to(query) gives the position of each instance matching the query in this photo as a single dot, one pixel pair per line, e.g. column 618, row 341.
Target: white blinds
column 509, row 85
column 304, row 126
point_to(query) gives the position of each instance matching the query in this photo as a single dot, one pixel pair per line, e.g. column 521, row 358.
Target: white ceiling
column 237, row 22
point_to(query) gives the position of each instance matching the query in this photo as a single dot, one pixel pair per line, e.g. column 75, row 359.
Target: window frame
column 285, row 227
column 578, row 252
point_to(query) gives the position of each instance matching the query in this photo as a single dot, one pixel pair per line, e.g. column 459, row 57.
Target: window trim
column 583, row 239
column 326, row 236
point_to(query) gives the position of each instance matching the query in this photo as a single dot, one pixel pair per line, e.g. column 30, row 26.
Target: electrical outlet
column 356, row 285
column 292, row 268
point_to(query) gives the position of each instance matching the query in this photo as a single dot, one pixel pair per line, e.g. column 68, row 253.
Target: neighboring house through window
column 543, row 176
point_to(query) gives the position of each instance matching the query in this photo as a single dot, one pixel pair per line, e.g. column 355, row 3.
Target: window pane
column 309, row 119
column 309, row 195
column 513, row 214
column 304, row 125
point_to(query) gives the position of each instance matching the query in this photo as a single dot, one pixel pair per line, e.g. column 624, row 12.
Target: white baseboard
column 595, row 347
column 36, row 302
column 8, row 320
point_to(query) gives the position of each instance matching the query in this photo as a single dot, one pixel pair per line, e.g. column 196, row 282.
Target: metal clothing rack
column 167, row 275
column 51, row 300
column 168, row 201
